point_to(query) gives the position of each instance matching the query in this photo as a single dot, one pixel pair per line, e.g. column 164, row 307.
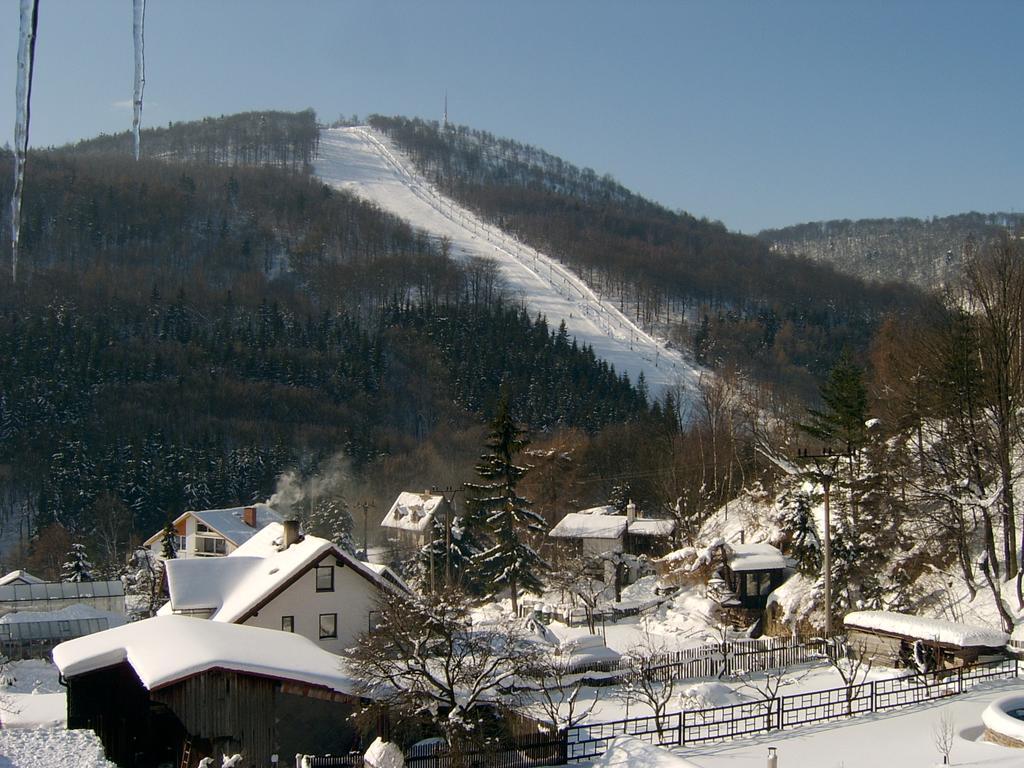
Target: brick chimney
column 290, row 535
column 249, row 516
column 630, row 512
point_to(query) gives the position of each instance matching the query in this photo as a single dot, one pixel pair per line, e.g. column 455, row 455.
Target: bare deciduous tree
column 942, row 736
column 649, row 681
column 426, row 659
column 558, row 693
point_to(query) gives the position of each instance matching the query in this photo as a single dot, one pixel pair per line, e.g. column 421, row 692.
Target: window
column 209, row 546
column 287, row 623
column 325, row 578
column 202, row 528
column 328, row 625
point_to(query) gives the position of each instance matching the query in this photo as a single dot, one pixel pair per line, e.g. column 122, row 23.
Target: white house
column 602, row 529
column 409, row 522
column 215, row 532
column 281, row 580
column 593, row 534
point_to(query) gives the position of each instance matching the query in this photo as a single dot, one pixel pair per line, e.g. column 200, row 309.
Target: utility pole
column 366, row 506
column 825, row 468
column 448, row 492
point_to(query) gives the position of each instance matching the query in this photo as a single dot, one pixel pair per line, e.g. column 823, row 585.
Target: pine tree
column 169, row 544
column 844, row 399
column 464, row 546
column 619, row 496
column 77, row 566
column 509, row 561
column 330, row 519
column 794, row 514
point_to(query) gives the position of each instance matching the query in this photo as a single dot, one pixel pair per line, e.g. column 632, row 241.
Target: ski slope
column 366, row 163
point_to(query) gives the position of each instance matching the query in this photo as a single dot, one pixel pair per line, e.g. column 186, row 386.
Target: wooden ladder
column 186, row 753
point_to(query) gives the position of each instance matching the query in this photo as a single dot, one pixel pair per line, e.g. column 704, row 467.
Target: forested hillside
column 183, row 333
column 923, row 252
column 722, row 295
column 286, row 139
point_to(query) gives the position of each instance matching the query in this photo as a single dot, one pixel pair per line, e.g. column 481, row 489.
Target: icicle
column 140, row 69
column 23, row 96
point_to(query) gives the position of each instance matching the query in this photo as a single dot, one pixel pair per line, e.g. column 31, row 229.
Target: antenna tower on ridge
column 445, row 107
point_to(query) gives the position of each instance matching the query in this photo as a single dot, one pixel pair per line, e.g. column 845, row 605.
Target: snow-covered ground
column 366, row 163
column 33, row 715
column 51, row 748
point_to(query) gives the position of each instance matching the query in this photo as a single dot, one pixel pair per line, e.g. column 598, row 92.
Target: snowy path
column 365, row 162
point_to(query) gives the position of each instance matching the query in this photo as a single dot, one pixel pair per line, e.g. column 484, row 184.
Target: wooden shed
column 172, row 686
column 904, row 640
column 754, row 571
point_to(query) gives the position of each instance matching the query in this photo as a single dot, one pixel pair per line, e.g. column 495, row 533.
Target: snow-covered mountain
column 365, row 162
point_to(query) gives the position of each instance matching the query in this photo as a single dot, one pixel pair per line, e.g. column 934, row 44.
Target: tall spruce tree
column 509, row 561
column 331, row 519
column 169, row 544
column 844, row 408
column 620, row 495
column 77, row 566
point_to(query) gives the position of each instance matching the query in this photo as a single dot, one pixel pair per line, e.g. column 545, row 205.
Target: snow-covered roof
column 605, row 509
column 756, row 557
column 166, row 649
column 229, row 522
column 648, row 526
column 388, row 573
column 412, row 511
column 937, row 630
column 232, row 586
column 20, row 577
column 576, row 525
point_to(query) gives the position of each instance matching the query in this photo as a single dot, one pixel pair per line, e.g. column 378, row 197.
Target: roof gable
column 236, row 586
column 412, row 511
column 227, row 522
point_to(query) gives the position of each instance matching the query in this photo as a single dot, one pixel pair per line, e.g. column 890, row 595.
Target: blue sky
column 759, row 114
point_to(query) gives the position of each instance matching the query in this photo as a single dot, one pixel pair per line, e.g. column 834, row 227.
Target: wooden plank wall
column 884, row 650
column 234, row 712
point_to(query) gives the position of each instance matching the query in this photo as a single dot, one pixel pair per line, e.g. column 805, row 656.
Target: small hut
column 754, row 571
column 175, row 689
column 904, row 640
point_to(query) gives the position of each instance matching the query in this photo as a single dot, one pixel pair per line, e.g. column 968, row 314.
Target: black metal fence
column 586, row 742
column 700, row 726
